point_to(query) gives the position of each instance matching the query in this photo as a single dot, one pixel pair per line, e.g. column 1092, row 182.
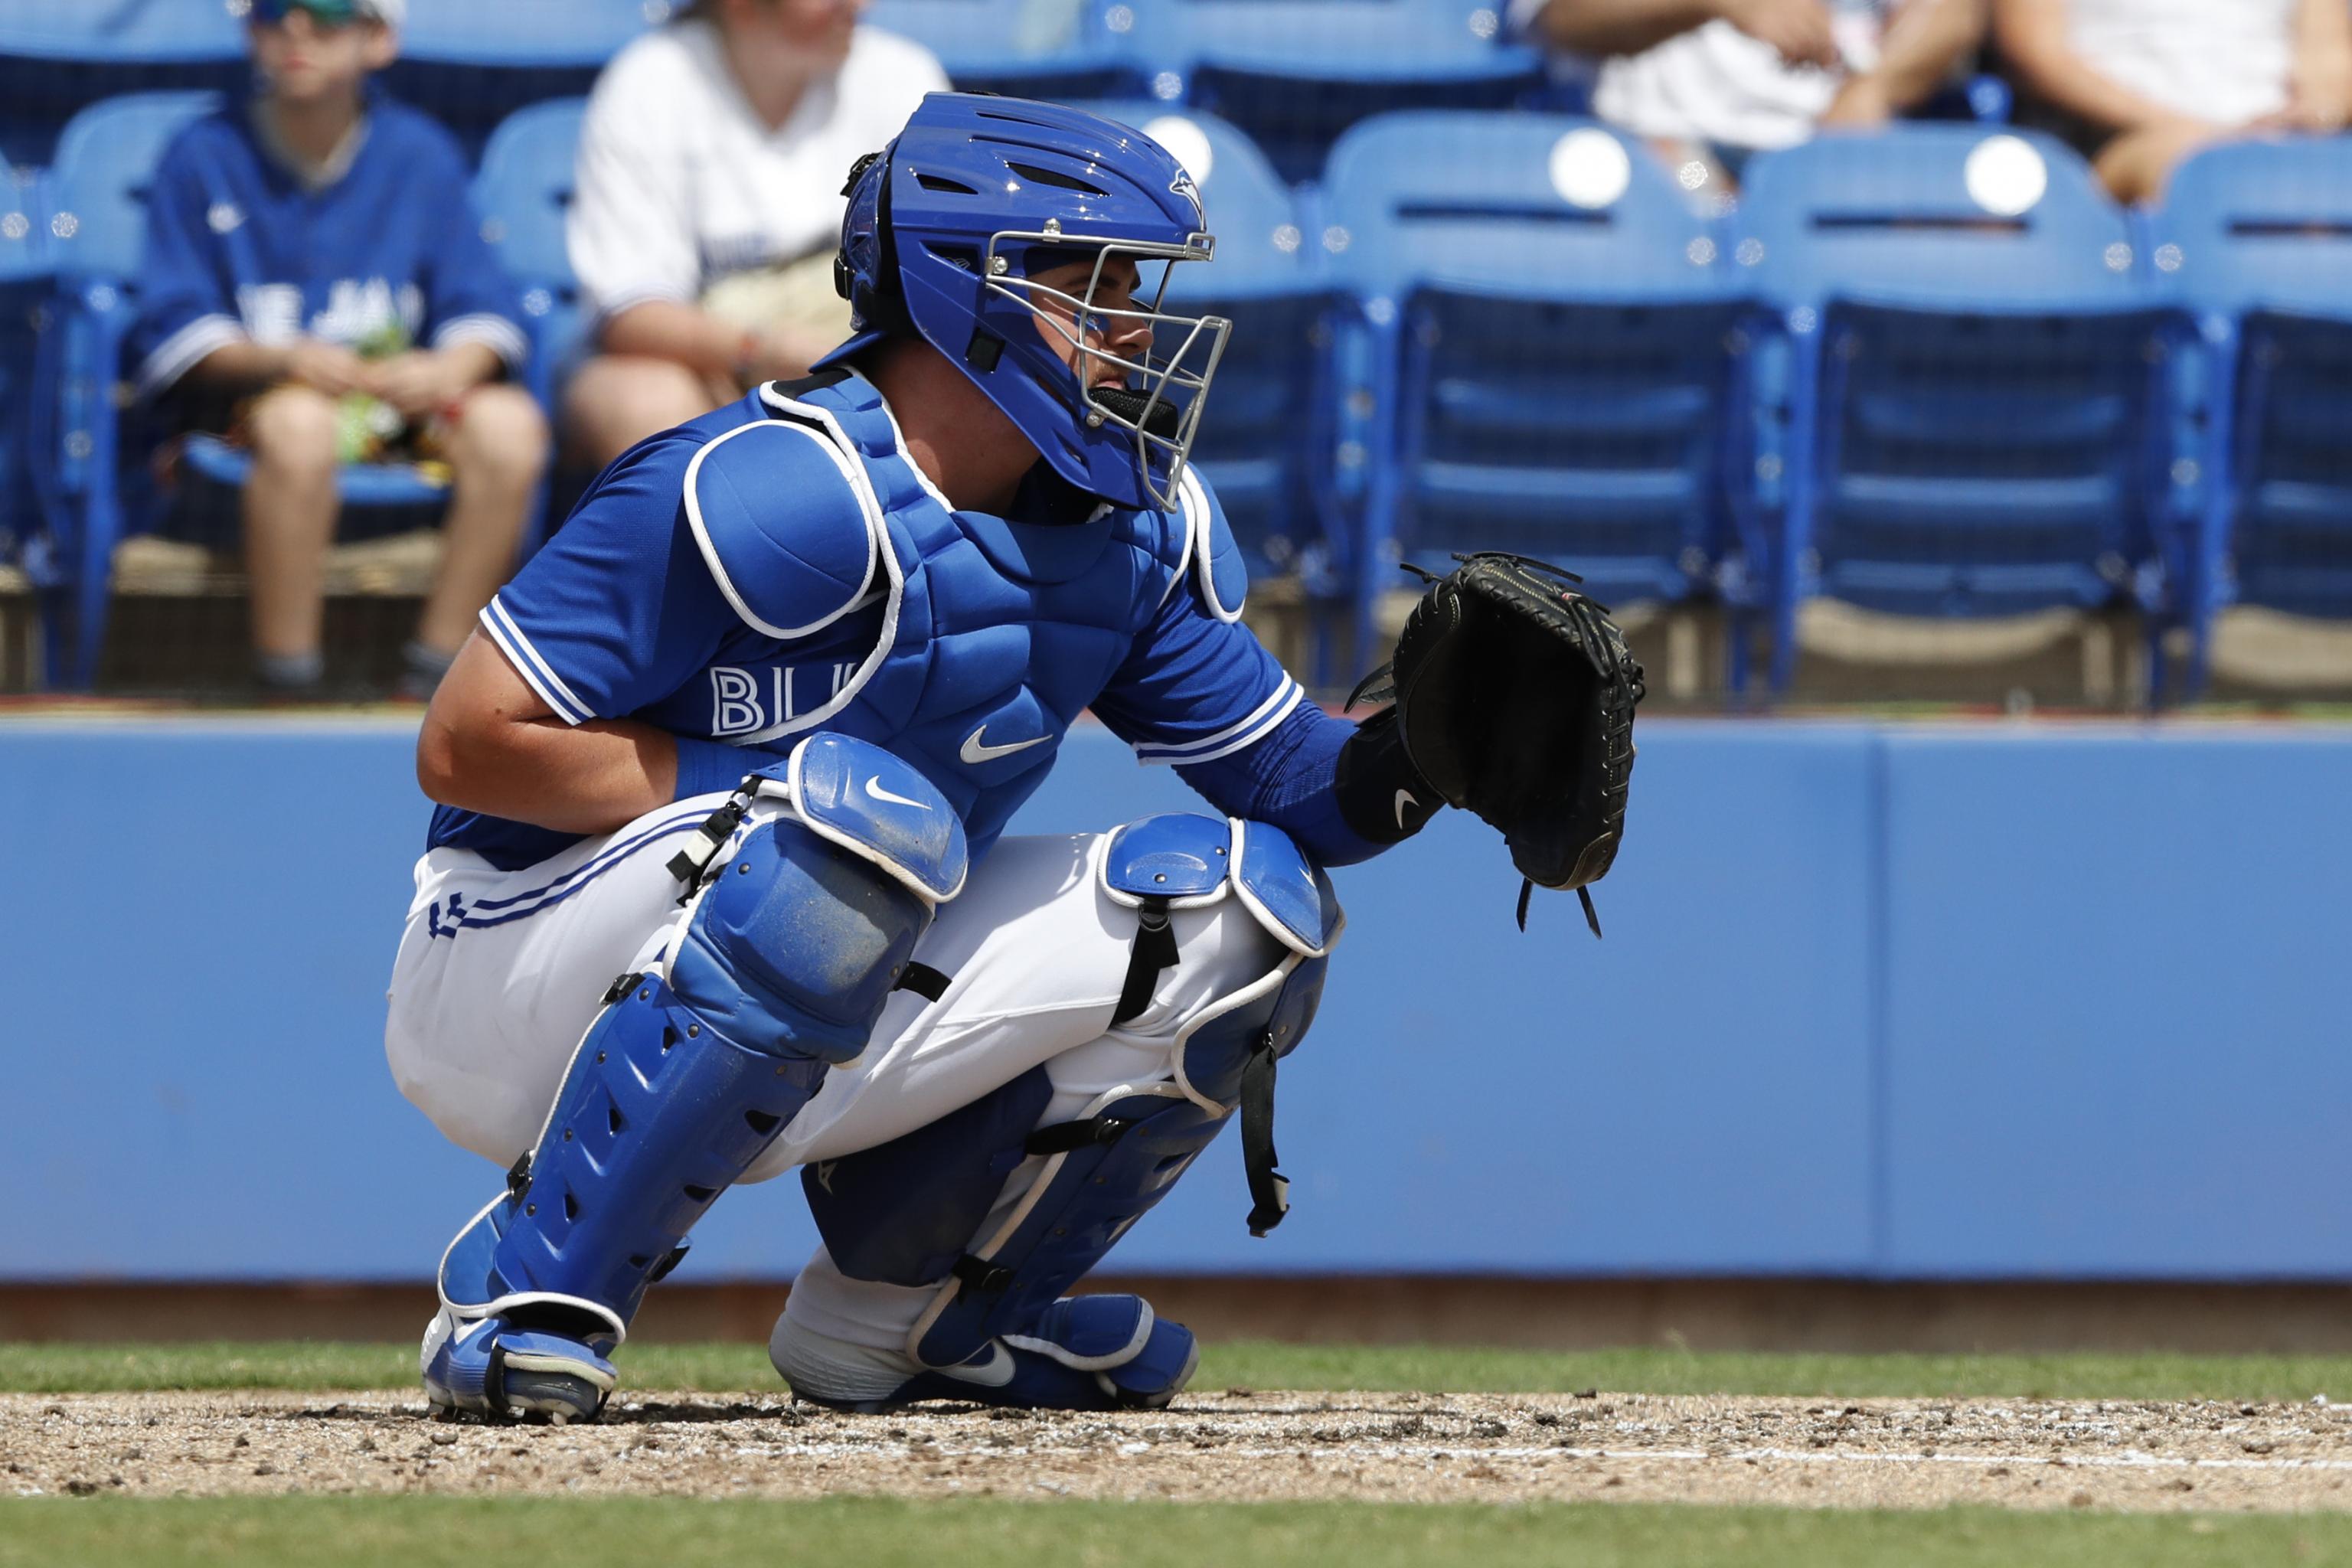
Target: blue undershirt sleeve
column 1286, row 779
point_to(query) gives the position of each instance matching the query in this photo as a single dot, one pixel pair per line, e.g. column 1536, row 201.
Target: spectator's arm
column 2319, row 90
column 665, row 329
column 2032, row 38
column 1927, row 41
column 1799, row 29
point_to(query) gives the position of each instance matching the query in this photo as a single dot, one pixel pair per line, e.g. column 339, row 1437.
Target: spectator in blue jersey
column 316, row 290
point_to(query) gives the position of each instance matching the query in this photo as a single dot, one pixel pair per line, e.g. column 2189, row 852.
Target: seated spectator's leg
column 497, row 447
column 616, row 401
column 289, row 518
column 2136, row 165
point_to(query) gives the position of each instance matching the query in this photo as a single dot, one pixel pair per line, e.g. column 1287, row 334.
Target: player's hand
column 1799, row 29
column 421, row 383
column 328, row 367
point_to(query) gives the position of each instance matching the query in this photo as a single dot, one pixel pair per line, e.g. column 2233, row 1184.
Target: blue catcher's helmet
column 948, row 225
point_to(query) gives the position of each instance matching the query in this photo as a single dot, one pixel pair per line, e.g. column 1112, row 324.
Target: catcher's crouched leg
column 794, row 941
column 980, row 1221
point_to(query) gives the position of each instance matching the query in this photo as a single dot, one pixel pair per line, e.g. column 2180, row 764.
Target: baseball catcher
column 718, row 886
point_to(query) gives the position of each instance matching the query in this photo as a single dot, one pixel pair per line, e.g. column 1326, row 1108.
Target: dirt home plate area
column 1229, row 1446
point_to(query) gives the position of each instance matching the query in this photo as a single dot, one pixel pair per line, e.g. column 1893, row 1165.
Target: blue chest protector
column 995, row 634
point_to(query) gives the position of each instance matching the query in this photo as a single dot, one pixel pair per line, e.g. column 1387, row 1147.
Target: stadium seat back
column 1026, row 49
column 524, row 196
column 1561, row 347
column 1531, row 205
column 1295, row 74
column 1961, row 418
column 470, row 64
column 126, row 31
column 2260, row 224
column 98, row 187
column 2254, row 238
column 1263, row 440
column 58, row 55
column 1935, row 215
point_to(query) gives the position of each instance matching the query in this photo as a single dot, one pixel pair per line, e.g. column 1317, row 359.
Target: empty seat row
column 1932, row 372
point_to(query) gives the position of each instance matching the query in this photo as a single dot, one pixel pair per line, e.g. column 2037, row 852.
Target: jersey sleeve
column 468, row 296
column 185, row 310
column 1196, row 688
column 618, row 610
column 630, row 233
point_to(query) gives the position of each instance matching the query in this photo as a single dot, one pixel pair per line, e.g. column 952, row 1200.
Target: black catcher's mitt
column 1514, row 698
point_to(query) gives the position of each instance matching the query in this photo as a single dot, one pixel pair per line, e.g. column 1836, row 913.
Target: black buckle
column 977, row 1274
column 518, row 1178
column 1063, row 1136
column 690, row 863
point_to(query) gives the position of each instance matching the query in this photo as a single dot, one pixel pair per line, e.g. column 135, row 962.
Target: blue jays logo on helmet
column 948, row 232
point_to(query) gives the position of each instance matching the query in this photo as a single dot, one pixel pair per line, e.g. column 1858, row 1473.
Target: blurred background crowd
column 1987, row 350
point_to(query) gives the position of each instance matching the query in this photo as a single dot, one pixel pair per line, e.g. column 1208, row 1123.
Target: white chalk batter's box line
column 1472, row 1454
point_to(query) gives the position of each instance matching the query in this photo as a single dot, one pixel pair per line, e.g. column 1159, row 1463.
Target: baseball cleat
column 1084, row 1352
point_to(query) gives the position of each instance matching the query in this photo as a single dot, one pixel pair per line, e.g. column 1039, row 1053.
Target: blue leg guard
column 796, row 938
column 916, row 1211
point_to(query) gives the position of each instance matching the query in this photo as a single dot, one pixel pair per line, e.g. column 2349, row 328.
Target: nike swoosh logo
column 994, row 1373
column 976, row 751
column 1405, row 798
column 874, row 787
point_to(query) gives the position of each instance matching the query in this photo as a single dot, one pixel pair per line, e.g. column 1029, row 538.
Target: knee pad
column 911, row 1212
column 803, row 928
column 794, row 939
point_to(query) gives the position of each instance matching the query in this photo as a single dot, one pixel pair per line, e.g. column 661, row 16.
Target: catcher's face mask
column 1135, row 365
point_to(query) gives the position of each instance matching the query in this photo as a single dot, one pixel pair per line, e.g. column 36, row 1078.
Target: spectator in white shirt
column 1710, row 82
column 2140, row 84
column 710, row 205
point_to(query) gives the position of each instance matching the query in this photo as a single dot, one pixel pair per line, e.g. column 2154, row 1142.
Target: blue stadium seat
column 96, row 489
column 1550, row 344
column 56, row 56
column 1294, row 74
column 470, row 64
column 1958, row 414
column 1265, row 441
column 2255, row 241
column 1024, row 49
column 524, row 193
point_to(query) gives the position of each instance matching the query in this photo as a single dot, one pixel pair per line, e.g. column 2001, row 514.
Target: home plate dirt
column 1223, row 1446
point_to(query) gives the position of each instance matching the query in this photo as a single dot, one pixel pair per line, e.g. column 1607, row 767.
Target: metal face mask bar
column 1160, row 396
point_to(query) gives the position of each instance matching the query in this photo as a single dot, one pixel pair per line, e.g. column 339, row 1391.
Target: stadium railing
column 1957, row 410
column 1549, row 345
column 2254, row 240
column 97, row 484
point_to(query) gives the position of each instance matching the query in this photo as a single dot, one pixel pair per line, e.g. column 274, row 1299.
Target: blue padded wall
column 1875, row 1001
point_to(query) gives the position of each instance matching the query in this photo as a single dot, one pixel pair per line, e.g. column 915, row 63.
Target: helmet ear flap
column 878, row 300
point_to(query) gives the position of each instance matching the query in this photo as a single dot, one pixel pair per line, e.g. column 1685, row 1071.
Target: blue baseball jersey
column 238, row 246
column 779, row 565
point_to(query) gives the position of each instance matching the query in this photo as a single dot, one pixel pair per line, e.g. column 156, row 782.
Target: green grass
column 83, row 1369
column 426, row 1531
